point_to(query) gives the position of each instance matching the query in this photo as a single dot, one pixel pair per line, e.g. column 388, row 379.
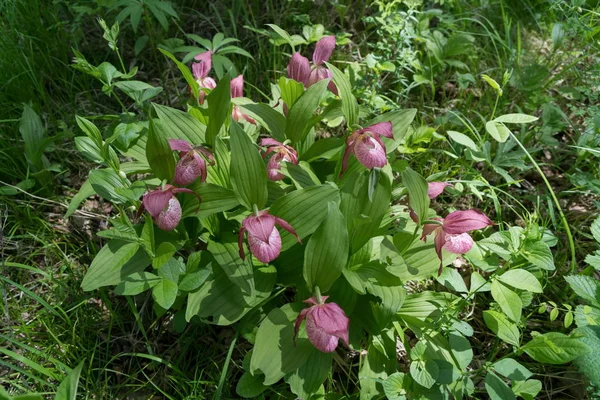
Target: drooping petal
column 169, row 218
column 439, row 242
column 237, row 86
column 458, row 244
column 265, row 251
column 180, row 145
column 260, row 226
column 298, row 322
column 202, row 67
column 350, row 142
column 270, row 142
column 370, row 152
column 274, row 167
column 318, row 74
column 460, row 221
column 380, row 128
column 434, row 189
column 285, row 225
column 241, row 242
column 299, row 68
column 323, row 49
column 189, row 168
column 428, row 229
column 156, row 201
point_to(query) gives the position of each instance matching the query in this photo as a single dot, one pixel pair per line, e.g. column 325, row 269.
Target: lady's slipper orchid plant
column 326, row 324
column 200, row 69
column 164, row 207
column 280, row 153
column 451, row 232
column 367, row 146
column 299, row 68
column 237, row 90
column 191, row 164
column 263, row 237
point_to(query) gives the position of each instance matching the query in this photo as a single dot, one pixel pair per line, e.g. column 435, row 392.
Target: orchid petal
column 428, row 229
column 323, row 50
column 285, row 225
column 202, row 67
column 274, row 167
column 318, row 74
column 156, row 201
column 380, row 128
column 459, row 244
column 370, row 152
column 260, row 226
column 265, row 251
column 299, row 68
column 439, row 242
column 299, row 319
column 237, row 86
column 241, row 242
column 270, row 142
column 434, row 189
column 180, row 145
column 189, row 168
column 169, row 218
column 459, row 222
column 320, row 339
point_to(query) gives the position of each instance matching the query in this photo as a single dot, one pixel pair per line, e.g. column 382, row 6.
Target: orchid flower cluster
column 326, row 322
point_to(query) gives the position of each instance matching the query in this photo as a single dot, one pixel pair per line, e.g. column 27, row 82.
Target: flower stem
column 318, row 295
column 256, row 212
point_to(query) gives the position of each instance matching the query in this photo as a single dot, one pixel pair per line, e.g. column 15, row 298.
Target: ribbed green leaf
column 185, row 71
column 218, row 109
column 417, row 193
column 248, row 171
column 555, row 348
column 269, row 118
column 158, row 152
column 178, row 124
column 299, row 118
column 349, row 104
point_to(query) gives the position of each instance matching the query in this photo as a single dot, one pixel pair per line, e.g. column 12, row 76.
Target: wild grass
column 49, row 324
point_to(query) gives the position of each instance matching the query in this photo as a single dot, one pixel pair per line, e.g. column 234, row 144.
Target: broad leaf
column 158, row 152
column 497, row 389
column 512, row 369
column 509, row 301
column 555, row 348
column 300, row 115
column 502, row 327
column 178, row 124
column 165, row 293
column 516, row 118
column 521, row 279
column 417, row 193
column 218, row 109
column 137, row 283
column 349, row 104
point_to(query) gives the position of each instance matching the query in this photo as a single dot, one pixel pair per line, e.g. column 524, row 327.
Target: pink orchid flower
column 326, row 324
column 263, row 237
column 164, row 207
column 191, row 164
column 282, row 153
column 367, row 146
column 451, row 234
column 299, row 68
column 237, row 90
column 434, row 189
column 200, row 70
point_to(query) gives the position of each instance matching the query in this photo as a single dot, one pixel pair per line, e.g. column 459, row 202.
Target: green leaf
column 509, row 301
column 164, row 252
column 555, row 348
column 539, row 254
column 226, row 254
column 268, row 117
column 461, row 348
column 303, row 209
column 417, row 193
column 308, row 378
column 595, row 229
column 498, row 131
column 490, row 81
column 185, row 71
column 299, row 120
column 528, row 389
column 248, row 171
column 105, row 182
column 395, row 386
column 165, row 293
column 116, row 260
column 90, row 130
column 326, row 253
column 585, row 287
column 516, row 118
column 521, row 279
column 158, row 152
column 193, row 280
column 290, row 90
column 68, row 387
column 137, row 283
column 86, row 190
column 425, row 373
column 363, row 216
column 512, row 369
column 349, row 104
column 215, row 199
column 497, row 389
column 589, row 363
column 277, row 361
column 502, row 327
column 463, row 139
column 250, row 386
column 301, row 174
column 178, row 124
column 218, row 109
